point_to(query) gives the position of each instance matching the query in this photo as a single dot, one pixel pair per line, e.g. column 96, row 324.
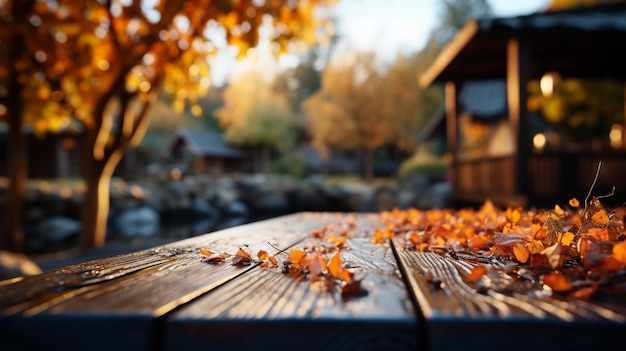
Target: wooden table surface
column 166, row 298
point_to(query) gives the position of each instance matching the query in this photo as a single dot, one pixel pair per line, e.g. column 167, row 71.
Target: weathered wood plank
column 279, row 310
column 458, row 312
column 118, row 299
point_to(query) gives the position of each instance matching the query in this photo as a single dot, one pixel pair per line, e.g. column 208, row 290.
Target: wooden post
column 451, row 130
column 517, row 74
column 451, row 126
column 624, row 121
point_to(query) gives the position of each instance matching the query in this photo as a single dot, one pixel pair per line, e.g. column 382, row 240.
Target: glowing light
column 60, row 37
column 616, row 136
column 194, row 70
column 149, row 59
column 539, row 141
column 40, row 56
column 548, row 83
column 145, row 86
column 196, row 110
column 35, row 20
column 104, row 65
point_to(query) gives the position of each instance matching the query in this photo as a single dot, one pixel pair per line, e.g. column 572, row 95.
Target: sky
column 389, row 26
column 384, row 26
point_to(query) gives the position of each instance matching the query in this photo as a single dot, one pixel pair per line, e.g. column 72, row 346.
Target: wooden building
column 587, row 42
column 204, row 151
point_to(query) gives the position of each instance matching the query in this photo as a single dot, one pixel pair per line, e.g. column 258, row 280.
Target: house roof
column 582, row 42
column 205, row 143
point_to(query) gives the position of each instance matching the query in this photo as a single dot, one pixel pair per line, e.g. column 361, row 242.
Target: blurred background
column 127, row 124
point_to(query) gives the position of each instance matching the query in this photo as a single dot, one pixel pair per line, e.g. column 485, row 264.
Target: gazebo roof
column 582, row 42
column 204, row 143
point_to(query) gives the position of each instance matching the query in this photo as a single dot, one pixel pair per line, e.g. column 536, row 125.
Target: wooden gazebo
column 587, row 42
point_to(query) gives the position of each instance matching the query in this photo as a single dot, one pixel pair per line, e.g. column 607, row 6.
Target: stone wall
column 200, row 204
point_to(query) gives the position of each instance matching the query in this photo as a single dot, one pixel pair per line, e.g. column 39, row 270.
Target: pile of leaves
column 321, row 262
column 574, row 250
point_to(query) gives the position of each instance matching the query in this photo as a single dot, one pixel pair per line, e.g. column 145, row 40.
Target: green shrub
column 290, row 163
column 424, row 163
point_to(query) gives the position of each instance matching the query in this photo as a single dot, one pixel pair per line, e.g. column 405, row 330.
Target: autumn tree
column 255, row 115
column 357, row 108
column 100, row 63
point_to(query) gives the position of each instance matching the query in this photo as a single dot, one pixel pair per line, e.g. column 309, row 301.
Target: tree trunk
column 18, row 173
column 95, row 211
column 100, row 161
column 18, row 156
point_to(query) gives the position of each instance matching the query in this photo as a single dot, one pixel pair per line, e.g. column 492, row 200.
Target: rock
column 385, row 199
column 57, row 228
column 440, row 194
column 236, row 209
column 142, row 222
column 202, row 209
column 16, row 265
column 276, row 203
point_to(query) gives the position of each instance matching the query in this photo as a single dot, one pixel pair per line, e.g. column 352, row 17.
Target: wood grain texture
column 120, row 298
column 277, row 310
column 452, row 305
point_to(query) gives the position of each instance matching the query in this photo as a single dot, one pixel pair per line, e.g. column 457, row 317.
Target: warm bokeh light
column 616, row 136
column 549, row 82
column 539, row 141
column 196, row 110
column 104, row 65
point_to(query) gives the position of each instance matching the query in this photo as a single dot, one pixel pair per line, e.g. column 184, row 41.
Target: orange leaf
column 477, row 272
column 334, row 265
column 619, row 252
column 556, row 281
column 574, row 202
column 478, row 242
column 273, row 260
column 242, row 257
column 521, row 252
column 378, row 237
column 339, row 242
column 262, row 255
column 296, row 256
column 600, row 218
column 243, row 253
column 206, row 252
column 317, row 234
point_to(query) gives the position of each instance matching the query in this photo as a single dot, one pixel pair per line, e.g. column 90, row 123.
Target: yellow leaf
column 334, row 265
column 558, row 211
column 567, row 238
column 600, row 218
column 521, row 252
column 206, row 252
